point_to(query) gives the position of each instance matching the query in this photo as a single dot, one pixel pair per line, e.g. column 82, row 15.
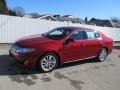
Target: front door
column 74, row 50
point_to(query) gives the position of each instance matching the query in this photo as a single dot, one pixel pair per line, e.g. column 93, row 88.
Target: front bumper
column 27, row 60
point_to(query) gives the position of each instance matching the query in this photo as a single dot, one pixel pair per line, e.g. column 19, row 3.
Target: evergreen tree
column 3, row 7
column 86, row 19
column 12, row 13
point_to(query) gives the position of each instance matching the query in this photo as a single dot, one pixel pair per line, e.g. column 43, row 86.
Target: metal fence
column 13, row 28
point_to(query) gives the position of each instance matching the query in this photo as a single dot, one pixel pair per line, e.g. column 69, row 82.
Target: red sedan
column 61, row 45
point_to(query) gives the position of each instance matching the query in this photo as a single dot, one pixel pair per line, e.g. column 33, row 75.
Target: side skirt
column 80, row 59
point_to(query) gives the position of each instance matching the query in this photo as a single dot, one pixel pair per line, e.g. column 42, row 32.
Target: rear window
column 92, row 34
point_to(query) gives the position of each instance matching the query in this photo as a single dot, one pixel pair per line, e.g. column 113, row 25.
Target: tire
column 48, row 62
column 102, row 55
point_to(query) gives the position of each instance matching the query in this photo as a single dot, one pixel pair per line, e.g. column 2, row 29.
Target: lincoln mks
column 61, row 45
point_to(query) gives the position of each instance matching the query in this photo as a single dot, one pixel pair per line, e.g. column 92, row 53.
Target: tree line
column 16, row 11
column 19, row 11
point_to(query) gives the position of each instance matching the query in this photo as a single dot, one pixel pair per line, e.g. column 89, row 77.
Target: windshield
column 58, row 33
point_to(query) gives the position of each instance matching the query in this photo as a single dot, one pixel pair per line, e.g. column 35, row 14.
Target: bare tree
column 11, row 12
column 35, row 15
column 19, row 10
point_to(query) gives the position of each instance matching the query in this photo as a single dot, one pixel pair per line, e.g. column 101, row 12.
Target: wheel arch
column 106, row 48
column 59, row 58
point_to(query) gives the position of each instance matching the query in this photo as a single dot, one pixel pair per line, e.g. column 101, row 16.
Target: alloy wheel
column 103, row 54
column 48, row 62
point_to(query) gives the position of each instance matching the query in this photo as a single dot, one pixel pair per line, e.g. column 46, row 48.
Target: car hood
column 33, row 40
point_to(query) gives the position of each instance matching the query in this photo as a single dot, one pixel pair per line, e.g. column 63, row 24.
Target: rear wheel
column 102, row 55
column 48, row 62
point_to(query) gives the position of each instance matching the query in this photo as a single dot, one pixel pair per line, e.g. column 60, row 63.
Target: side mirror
column 43, row 34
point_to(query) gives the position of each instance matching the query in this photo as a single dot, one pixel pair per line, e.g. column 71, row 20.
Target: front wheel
column 102, row 55
column 48, row 62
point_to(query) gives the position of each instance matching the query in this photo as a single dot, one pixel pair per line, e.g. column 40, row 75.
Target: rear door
column 93, row 43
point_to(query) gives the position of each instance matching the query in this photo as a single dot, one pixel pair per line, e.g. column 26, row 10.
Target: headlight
column 24, row 50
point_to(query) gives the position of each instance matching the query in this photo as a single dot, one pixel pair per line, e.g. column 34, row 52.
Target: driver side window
column 57, row 32
column 78, row 35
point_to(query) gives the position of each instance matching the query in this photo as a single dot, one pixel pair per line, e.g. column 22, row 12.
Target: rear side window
column 90, row 34
column 78, row 35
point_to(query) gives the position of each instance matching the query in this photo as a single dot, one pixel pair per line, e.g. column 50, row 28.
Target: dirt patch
column 59, row 75
column 46, row 79
column 75, row 83
column 112, row 65
column 73, row 72
column 119, row 56
column 106, row 66
column 96, row 67
column 27, row 79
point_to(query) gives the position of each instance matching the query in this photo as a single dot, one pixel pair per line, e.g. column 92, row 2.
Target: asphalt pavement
column 82, row 75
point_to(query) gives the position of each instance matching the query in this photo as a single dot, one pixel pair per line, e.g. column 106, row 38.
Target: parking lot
column 82, row 75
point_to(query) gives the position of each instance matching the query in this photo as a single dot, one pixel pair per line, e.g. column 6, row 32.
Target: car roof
column 76, row 28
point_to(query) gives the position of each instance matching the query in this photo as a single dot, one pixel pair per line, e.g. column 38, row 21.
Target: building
column 48, row 17
column 103, row 23
column 69, row 18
